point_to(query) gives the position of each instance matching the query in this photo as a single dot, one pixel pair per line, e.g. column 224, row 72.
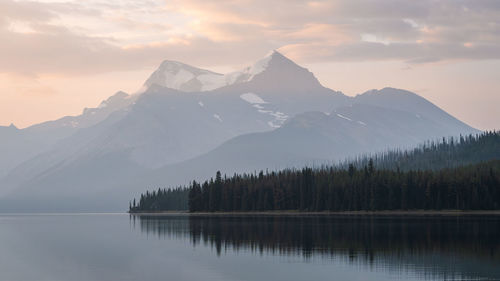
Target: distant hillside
column 433, row 155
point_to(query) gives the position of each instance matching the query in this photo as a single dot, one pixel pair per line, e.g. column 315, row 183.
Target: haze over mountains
column 188, row 123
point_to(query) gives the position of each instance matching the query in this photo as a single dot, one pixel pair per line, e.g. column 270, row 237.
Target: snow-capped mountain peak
column 280, row 74
column 187, row 78
column 274, row 58
column 249, row 72
column 183, row 77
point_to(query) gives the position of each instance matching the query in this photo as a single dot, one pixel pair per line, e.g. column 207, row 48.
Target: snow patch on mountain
column 279, row 117
column 343, row 117
column 252, row 98
column 176, row 80
column 260, row 104
column 183, row 77
column 216, row 116
column 211, row 82
column 250, row 71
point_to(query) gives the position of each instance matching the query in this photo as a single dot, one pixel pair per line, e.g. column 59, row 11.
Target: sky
column 58, row 57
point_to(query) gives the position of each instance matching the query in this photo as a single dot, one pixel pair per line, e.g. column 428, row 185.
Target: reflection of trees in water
column 436, row 244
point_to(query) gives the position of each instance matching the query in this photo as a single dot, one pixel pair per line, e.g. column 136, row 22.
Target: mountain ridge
column 161, row 132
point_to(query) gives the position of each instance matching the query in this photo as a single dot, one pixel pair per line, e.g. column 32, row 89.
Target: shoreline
column 341, row 213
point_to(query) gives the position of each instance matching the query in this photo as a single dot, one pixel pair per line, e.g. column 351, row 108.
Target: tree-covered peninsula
column 461, row 174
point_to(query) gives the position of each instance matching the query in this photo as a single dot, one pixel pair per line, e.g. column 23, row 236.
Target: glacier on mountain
column 186, row 78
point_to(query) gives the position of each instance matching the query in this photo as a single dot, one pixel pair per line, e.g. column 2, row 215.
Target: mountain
column 186, row 78
column 19, row 145
column 410, row 102
column 167, row 125
column 314, row 139
column 89, row 116
column 183, row 125
column 11, row 136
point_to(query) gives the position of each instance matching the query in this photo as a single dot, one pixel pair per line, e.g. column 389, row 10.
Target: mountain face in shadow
column 188, row 123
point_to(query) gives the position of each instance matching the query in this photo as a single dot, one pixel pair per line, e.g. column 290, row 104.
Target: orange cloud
column 328, row 33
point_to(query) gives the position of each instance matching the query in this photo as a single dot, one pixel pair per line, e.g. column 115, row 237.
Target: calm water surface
column 122, row 247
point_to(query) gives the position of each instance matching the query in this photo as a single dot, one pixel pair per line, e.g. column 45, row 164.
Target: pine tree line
column 428, row 177
column 475, row 187
column 446, row 153
column 161, row 200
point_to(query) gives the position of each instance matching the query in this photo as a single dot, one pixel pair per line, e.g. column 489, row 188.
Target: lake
column 179, row 247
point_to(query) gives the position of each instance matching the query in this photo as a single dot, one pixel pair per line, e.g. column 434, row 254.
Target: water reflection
column 449, row 248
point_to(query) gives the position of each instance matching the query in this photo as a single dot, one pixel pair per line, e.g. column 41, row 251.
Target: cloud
column 411, row 31
column 27, row 11
column 85, row 37
column 61, row 50
column 412, row 53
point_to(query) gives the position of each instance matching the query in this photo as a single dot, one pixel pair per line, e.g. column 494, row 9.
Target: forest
column 433, row 155
column 434, row 176
column 166, row 199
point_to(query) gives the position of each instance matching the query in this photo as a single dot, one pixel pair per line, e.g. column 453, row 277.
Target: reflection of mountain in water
column 433, row 247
